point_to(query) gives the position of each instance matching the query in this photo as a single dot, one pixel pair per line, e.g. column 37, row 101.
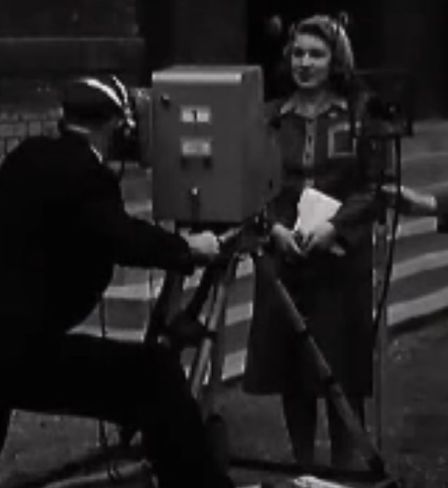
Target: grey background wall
column 408, row 35
column 414, row 36
column 401, row 34
column 67, row 17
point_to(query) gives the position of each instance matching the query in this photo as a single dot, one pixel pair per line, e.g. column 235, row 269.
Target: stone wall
column 18, row 122
column 49, row 18
column 28, row 107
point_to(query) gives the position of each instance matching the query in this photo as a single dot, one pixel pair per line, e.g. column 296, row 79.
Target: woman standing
column 331, row 290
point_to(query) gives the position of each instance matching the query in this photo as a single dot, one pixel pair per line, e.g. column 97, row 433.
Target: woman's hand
column 322, row 237
column 285, row 241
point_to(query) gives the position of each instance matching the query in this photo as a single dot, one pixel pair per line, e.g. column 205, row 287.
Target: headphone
column 126, row 106
column 91, row 97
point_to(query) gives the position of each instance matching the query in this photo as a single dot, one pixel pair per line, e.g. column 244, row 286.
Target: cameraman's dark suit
column 63, row 227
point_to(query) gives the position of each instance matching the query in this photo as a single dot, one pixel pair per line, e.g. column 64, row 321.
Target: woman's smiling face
column 310, row 61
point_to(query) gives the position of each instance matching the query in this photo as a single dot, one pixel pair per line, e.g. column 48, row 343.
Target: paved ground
column 415, row 442
column 415, row 423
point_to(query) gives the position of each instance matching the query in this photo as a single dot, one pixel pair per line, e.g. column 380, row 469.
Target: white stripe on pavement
column 417, row 307
column 235, row 361
column 234, row 364
column 418, row 226
column 438, row 187
column 424, row 262
column 424, row 156
column 239, row 313
column 397, row 313
column 145, row 291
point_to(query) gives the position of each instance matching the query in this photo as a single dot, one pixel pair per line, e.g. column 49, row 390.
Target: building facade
column 406, row 35
column 400, row 35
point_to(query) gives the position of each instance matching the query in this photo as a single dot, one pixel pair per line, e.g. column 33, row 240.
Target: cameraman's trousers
column 125, row 384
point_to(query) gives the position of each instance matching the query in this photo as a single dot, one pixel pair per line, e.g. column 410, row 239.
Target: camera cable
column 381, row 302
column 112, row 470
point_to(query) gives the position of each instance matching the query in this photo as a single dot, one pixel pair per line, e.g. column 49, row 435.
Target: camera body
column 213, row 155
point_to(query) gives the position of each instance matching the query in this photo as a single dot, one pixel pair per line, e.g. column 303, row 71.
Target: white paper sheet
column 314, row 208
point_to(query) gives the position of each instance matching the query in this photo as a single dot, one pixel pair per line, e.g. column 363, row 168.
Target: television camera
column 213, row 156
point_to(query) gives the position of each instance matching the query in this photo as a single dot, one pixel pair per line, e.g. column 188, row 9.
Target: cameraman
column 63, row 228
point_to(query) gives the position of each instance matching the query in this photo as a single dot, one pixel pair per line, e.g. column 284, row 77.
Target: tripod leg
column 202, row 291
column 166, row 305
column 215, row 321
column 218, row 352
column 380, row 251
column 334, row 392
column 215, row 348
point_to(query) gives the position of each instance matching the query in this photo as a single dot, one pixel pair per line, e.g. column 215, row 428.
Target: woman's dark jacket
column 333, row 293
column 62, row 229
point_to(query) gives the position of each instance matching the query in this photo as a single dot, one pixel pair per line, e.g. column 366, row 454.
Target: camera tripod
column 181, row 327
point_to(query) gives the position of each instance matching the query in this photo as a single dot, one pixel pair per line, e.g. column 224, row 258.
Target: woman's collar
column 296, row 104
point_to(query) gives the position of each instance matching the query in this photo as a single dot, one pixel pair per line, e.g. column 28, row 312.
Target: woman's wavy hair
column 334, row 34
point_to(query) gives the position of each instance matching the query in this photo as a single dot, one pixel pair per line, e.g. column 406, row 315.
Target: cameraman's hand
column 285, row 241
column 204, row 246
column 411, row 202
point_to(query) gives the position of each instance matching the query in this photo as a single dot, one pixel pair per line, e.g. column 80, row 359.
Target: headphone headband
column 90, row 97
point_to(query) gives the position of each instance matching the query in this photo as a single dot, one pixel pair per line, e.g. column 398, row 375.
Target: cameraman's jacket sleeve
column 131, row 241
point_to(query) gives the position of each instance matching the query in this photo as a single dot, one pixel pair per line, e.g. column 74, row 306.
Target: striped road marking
column 147, row 291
